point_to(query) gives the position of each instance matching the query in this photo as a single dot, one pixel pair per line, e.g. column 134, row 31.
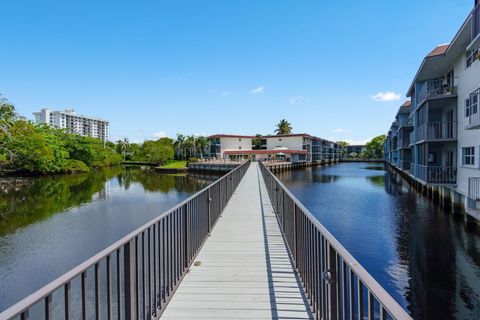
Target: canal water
column 428, row 259
column 48, row 225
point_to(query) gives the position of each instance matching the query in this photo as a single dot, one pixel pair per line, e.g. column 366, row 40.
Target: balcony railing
column 336, row 284
column 404, row 165
column 473, row 201
column 435, row 89
column 135, row 277
column 474, row 120
column 404, row 142
column 434, row 174
column 412, row 138
column 437, row 131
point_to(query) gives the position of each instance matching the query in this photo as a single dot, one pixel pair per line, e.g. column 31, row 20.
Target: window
column 468, row 156
column 471, row 104
column 471, row 57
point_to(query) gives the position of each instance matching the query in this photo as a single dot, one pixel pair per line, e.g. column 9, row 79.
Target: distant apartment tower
column 74, row 123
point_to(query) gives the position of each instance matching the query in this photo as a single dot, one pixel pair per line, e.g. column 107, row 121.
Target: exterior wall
column 467, row 81
column 293, row 143
column 68, row 119
column 231, row 143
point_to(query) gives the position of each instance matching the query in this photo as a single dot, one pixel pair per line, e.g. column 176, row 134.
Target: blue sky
column 157, row 68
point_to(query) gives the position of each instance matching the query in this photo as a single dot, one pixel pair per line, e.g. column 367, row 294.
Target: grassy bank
column 175, row 165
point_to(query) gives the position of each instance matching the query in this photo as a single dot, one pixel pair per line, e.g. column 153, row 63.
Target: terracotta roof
column 230, row 136
column 245, row 152
column 406, row 104
column 287, row 135
column 438, row 51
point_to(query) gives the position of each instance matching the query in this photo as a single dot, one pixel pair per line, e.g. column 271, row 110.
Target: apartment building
column 354, row 150
column 74, row 123
column 443, row 123
column 288, row 147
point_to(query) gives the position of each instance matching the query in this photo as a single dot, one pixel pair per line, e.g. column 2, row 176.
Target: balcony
column 405, row 123
column 473, row 200
column 435, row 89
column 473, row 121
column 436, row 131
column 434, row 174
column 404, row 142
column 412, row 139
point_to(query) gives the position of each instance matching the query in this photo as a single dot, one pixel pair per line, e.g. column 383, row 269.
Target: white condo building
column 74, row 123
column 443, row 118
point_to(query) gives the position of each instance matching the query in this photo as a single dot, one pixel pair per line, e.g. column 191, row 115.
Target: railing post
column 209, row 200
column 295, row 232
column 332, row 266
column 185, row 235
column 129, row 276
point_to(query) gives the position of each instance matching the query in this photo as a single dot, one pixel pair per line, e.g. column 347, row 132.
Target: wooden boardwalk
column 243, row 270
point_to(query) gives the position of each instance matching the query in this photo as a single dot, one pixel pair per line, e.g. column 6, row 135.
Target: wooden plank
column 245, row 270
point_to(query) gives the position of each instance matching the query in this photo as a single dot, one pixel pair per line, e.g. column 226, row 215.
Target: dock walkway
column 243, row 271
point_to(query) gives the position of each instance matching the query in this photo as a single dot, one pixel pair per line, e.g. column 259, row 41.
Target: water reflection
column 428, row 259
column 50, row 224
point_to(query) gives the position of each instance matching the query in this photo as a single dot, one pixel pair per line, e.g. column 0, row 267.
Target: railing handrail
column 376, row 289
column 41, row 293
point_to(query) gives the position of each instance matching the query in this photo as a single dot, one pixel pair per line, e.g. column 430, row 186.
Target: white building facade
column 287, row 147
column 445, row 115
column 74, row 123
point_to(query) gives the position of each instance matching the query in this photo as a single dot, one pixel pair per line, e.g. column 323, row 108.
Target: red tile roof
column 247, row 152
column 438, row 51
column 230, row 136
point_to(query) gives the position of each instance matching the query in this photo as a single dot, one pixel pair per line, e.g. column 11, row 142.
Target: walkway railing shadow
column 334, row 282
column 287, row 299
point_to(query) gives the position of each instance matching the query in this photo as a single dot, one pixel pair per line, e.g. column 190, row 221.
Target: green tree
column 283, row 127
column 257, row 142
column 343, row 148
column 123, row 147
column 36, row 148
column 179, row 146
column 201, row 144
column 160, row 151
column 374, row 148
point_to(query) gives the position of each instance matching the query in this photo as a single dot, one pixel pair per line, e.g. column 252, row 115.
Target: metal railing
column 135, row 277
column 474, row 188
column 431, row 131
column 435, row 174
column 474, row 119
column 435, row 89
column 336, row 285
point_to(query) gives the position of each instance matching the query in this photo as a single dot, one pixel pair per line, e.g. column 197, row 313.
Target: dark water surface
column 428, row 259
column 48, row 225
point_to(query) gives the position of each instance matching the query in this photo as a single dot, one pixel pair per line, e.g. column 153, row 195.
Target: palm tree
column 179, row 145
column 124, row 147
column 191, row 145
column 7, row 114
column 202, row 144
column 283, row 127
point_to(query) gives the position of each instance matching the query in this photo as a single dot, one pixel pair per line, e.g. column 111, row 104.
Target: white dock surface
column 245, row 271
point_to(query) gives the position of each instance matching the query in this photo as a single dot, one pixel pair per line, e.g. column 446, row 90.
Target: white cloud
column 356, row 142
column 225, row 93
column 385, row 96
column 160, row 134
column 295, row 99
column 340, row 130
column 257, row 90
